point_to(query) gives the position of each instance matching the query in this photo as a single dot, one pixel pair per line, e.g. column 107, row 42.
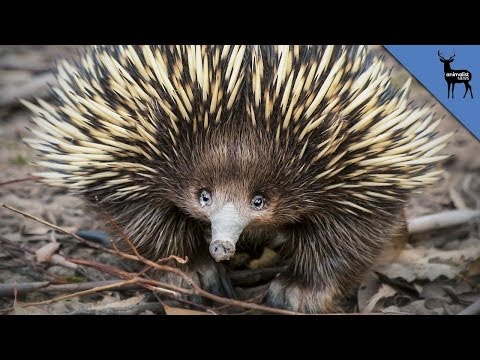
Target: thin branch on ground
column 7, row 290
column 155, row 285
column 17, row 246
column 441, row 220
column 85, row 292
column 30, row 178
column 119, row 230
column 195, row 289
column 9, row 246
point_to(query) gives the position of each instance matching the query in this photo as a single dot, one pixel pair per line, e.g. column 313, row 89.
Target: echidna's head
column 230, row 209
column 233, row 183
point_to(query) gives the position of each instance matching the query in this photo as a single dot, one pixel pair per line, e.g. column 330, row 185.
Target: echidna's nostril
column 222, row 249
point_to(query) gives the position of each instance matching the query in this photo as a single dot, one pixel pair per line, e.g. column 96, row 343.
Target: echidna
column 187, row 146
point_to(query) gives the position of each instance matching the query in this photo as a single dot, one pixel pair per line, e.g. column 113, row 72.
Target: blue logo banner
column 451, row 73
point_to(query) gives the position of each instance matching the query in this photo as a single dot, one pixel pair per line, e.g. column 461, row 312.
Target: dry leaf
column 170, row 310
column 45, row 253
column 422, row 263
column 127, row 303
column 385, row 291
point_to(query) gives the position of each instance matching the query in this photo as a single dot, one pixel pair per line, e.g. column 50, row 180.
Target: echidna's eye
column 205, row 198
column 258, row 202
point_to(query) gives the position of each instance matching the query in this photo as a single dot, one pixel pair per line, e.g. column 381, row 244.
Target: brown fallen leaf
column 170, row 310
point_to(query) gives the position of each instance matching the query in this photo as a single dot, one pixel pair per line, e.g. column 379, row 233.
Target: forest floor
column 437, row 273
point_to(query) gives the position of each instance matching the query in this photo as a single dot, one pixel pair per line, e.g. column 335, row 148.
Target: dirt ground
column 437, row 273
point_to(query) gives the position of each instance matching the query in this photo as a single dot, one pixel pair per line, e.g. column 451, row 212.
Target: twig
column 199, row 291
column 147, row 283
column 173, row 257
column 124, row 236
column 19, row 180
column 25, row 260
column 251, row 300
column 200, row 306
column 196, row 289
column 87, row 285
column 85, row 292
column 7, row 290
column 441, row 220
column 473, row 309
column 185, row 301
column 13, row 244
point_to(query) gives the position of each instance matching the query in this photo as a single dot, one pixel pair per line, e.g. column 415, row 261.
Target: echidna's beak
column 227, row 225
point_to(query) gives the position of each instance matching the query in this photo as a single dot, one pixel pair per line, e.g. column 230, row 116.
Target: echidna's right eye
column 205, row 198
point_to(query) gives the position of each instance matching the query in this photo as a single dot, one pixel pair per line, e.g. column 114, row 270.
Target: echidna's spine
column 123, row 115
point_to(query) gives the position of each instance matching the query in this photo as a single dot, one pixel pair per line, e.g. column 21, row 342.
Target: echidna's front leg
column 323, row 268
column 203, row 270
column 211, row 275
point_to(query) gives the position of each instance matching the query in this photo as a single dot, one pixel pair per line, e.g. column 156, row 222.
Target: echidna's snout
column 227, row 225
column 222, row 249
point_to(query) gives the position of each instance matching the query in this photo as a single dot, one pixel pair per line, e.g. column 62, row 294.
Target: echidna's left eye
column 205, row 198
column 258, row 202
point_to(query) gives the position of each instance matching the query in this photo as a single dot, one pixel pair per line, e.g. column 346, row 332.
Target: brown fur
column 294, row 148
